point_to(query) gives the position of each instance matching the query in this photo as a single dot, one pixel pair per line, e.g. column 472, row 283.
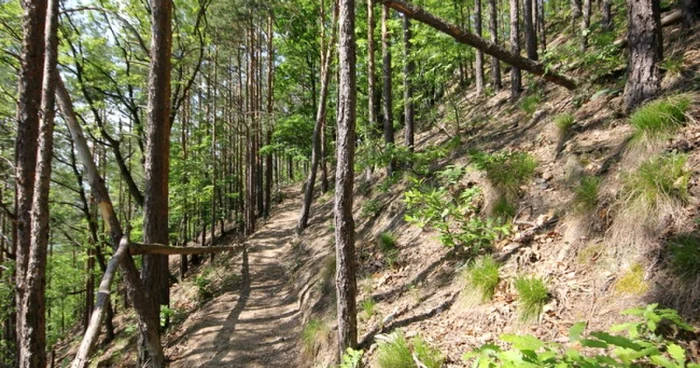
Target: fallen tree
column 671, row 18
column 468, row 38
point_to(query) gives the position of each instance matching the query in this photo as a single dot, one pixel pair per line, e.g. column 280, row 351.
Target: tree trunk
column 270, row 113
column 645, row 51
column 408, row 71
column 346, row 284
column 30, row 352
column 691, row 10
column 585, row 24
column 327, row 52
column 386, row 87
column 541, row 25
column 479, row 62
column 530, row 34
column 515, row 84
column 155, row 227
column 493, row 29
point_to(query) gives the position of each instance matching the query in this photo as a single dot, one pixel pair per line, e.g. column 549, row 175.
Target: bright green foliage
column 657, row 119
column 658, row 179
column 203, row 283
column 532, row 295
column 315, row 332
column 484, row 276
column 394, row 351
column 506, row 171
column 371, row 208
column 387, row 241
column 643, row 347
column 454, row 217
column 586, row 194
column 369, row 307
column 530, row 103
column 352, row 358
column 564, row 122
column 686, row 255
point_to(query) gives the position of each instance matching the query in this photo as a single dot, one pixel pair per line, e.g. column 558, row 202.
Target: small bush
column 371, row 208
column 686, row 255
column 393, row 351
column 532, row 294
column 564, row 122
column 506, row 171
column 484, row 276
column 314, row 334
column 586, row 194
column 632, row 282
column 529, row 104
column 657, row 119
column 352, row 358
column 659, row 179
column 369, row 308
column 387, row 241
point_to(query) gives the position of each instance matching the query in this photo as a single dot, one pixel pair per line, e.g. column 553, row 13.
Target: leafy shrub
column 204, row 291
column 455, row 219
column 529, row 104
column 659, row 179
column 352, row 358
column 387, row 241
column 564, row 122
column 685, row 250
column 532, row 295
column 632, row 282
column 314, row 334
column 371, row 208
column 394, row 351
column 484, row 276
column 506, row 171
column 586, row 194
column 644, row 346
column 659, row 118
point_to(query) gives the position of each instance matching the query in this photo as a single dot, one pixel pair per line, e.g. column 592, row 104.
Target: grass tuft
column 685, row 260
column 371, row 208
column 429, row 356
column 632, row 282
column 484, row 276
column 393, row 351
column 529, row 104
column 586, row 194
column 314, row 335
column 657, row 119
column 661, row 178
column 369, row 308
column 506, row 171
column 532, row 294
column 387, row 242
column 503, row 209
column 564, row 122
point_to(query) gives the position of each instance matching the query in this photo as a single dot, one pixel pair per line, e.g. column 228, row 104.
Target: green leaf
column 593, row 343
column 576, row 330
column 524, row 342
column 676, row 352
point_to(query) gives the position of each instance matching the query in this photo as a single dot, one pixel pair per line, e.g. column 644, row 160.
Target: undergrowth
column 657, row 119
column 685, row 250
column 586, row 194
column 506, row 171
column 314, row 335
column 532, row 295
column 563, row 122
column 659, row 179
column 484, row 276
column 394, row 351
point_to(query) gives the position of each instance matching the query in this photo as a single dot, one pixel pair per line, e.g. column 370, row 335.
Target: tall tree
column 515, row 84
column 528, row 25
column 387, row 91
column 155, row 228
column 346, row 284
column 479, row 63
column 493, row 29
column 585, row 24
column 606, row 21
column 31, row 352
column 645, row 51
column 408, row 70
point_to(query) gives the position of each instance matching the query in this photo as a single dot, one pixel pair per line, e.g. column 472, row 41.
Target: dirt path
column 258, row 324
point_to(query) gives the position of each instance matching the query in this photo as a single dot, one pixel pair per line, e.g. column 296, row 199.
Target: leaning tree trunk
column 470, row 39
column 320, row 116
column 493, row 29
column 515, row 76
column 155, row 227
column 479, row 63
column 530, row 33
column 408, row 70
column 386, row 88
column 645, row 51
column 346, row 284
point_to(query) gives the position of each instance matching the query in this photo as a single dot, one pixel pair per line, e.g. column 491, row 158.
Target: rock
column 547, row 176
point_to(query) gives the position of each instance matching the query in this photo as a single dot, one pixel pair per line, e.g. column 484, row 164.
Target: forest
column 342, row 183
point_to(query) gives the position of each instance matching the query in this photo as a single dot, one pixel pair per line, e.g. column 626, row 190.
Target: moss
column 632, row 282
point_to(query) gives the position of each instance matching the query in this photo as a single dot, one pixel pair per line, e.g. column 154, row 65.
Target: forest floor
column 256, row 322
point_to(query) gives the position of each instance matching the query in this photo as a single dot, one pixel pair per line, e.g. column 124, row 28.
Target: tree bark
column 316, row 139
column 541, row 25
column 691, row 11
column 515, row 76
column 479, row 62
column 408, row 70
column 493, row 29
column 387, row 88
column 270, row 113
column 470, row 39
column 645, row 51
column 530, row 33
column 585, row 24
column 346, row 284
column 606, row 21
column 155, row 228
